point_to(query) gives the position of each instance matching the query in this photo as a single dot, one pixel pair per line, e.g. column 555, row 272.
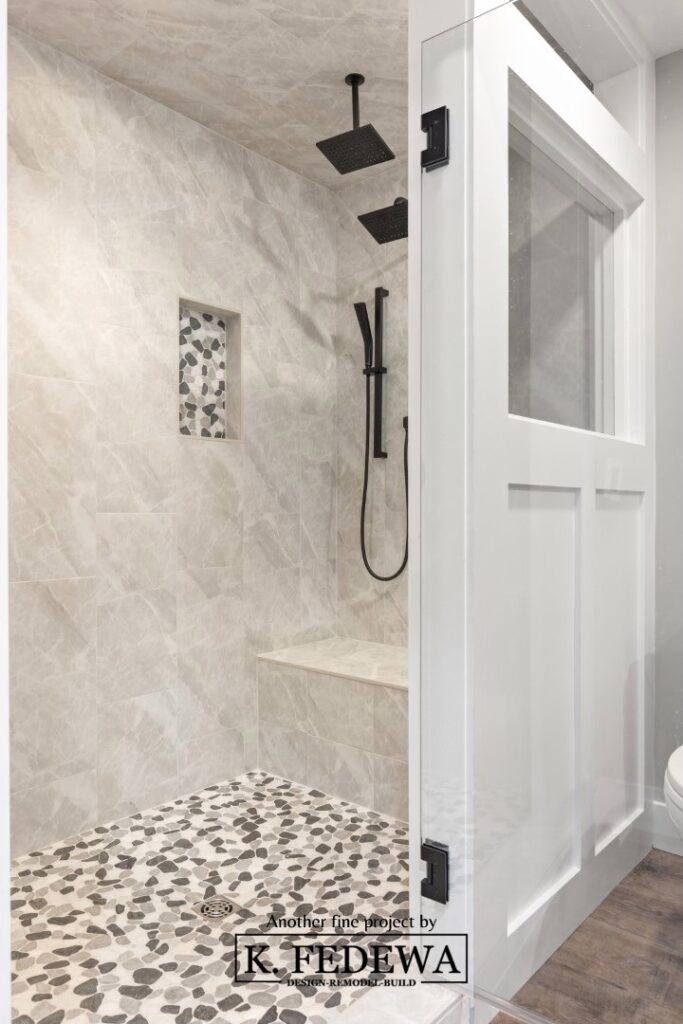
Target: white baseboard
column 664, row 834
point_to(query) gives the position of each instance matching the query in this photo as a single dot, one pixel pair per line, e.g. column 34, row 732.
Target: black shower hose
column 366, row 474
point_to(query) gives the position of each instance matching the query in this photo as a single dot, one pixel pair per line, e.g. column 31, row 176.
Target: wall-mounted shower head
column 362, row 146
column 364, row 324
column 388, row 224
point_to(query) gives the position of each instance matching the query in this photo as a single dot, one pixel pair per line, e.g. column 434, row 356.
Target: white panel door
column 559, row 499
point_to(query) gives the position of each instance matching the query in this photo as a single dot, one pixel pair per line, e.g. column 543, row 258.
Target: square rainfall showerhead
column 355, row 149
column 362, row 146
column 388, row 224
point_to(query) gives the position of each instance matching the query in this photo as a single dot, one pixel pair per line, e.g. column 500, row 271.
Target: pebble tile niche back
column 209, row 373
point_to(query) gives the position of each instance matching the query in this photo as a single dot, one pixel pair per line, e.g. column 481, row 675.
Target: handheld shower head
column 364, row 324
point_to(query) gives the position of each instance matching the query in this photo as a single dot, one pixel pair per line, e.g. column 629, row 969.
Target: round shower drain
column 215, row 908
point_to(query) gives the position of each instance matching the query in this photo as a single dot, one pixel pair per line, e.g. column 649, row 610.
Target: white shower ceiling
column 267, row 73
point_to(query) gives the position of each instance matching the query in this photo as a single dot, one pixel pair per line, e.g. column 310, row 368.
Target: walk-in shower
column 212, row 735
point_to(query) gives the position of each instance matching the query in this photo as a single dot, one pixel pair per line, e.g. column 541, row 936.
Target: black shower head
column 362, row 146
column 388, row 224
column 364, row 324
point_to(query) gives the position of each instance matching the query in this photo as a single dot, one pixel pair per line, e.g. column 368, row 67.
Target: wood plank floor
column 625, row 962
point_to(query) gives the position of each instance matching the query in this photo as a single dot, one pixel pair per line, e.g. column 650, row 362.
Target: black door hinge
column 435, row 124
column 435, row 885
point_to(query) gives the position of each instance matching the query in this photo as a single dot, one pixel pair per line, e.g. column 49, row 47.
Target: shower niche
column 209, row 372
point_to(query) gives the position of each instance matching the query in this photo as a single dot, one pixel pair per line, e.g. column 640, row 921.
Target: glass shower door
column 534, row 251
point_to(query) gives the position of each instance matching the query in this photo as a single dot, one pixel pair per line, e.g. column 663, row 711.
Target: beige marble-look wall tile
column 283, row 752
column 53, row 730
column 271, row 262
column 391, row 722
column 136, row 620
column 318, row 601
column 52, row 275
column 52, row 479
column 134, row 553
column 391, row 787
column 271, row 542
column 212, row 692
column 318, row 491
column 51, row 120
column 344, row 771
column 283, row 697
column 137, row 755
column 360, row 605
column 210, row 503
column 208, row 758
column 62, row 613
column 341, row 710
column 137, row 476
column 270, row 182
column 140, row 400
column 209, row 166
column 52, row 683
column 55, row 810
column 273, row 610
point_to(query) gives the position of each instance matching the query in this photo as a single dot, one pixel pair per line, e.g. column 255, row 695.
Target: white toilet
column 673, row 789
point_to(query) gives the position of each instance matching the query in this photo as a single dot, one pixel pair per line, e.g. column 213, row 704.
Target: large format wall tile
column 283, row 752
column 340, row 770
column 391, row 722
column 52, row 246
column 140, row 400
column 53, row 699
column 137, row 755
column 52, row 478
column 210, row 504
column 55, row 810
column 391, row 787
column 137, row 476
column 136, row 618
column 213, row 755
column 343, row 713
column 62, row 614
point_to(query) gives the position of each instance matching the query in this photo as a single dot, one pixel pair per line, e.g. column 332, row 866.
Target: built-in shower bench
column 333, row 715
column 363, row 660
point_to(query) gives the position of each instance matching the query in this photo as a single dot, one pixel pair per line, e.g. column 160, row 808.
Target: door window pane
column 561, row 341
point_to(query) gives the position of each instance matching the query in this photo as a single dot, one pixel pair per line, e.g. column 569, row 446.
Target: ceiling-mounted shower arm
column 355, row 81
